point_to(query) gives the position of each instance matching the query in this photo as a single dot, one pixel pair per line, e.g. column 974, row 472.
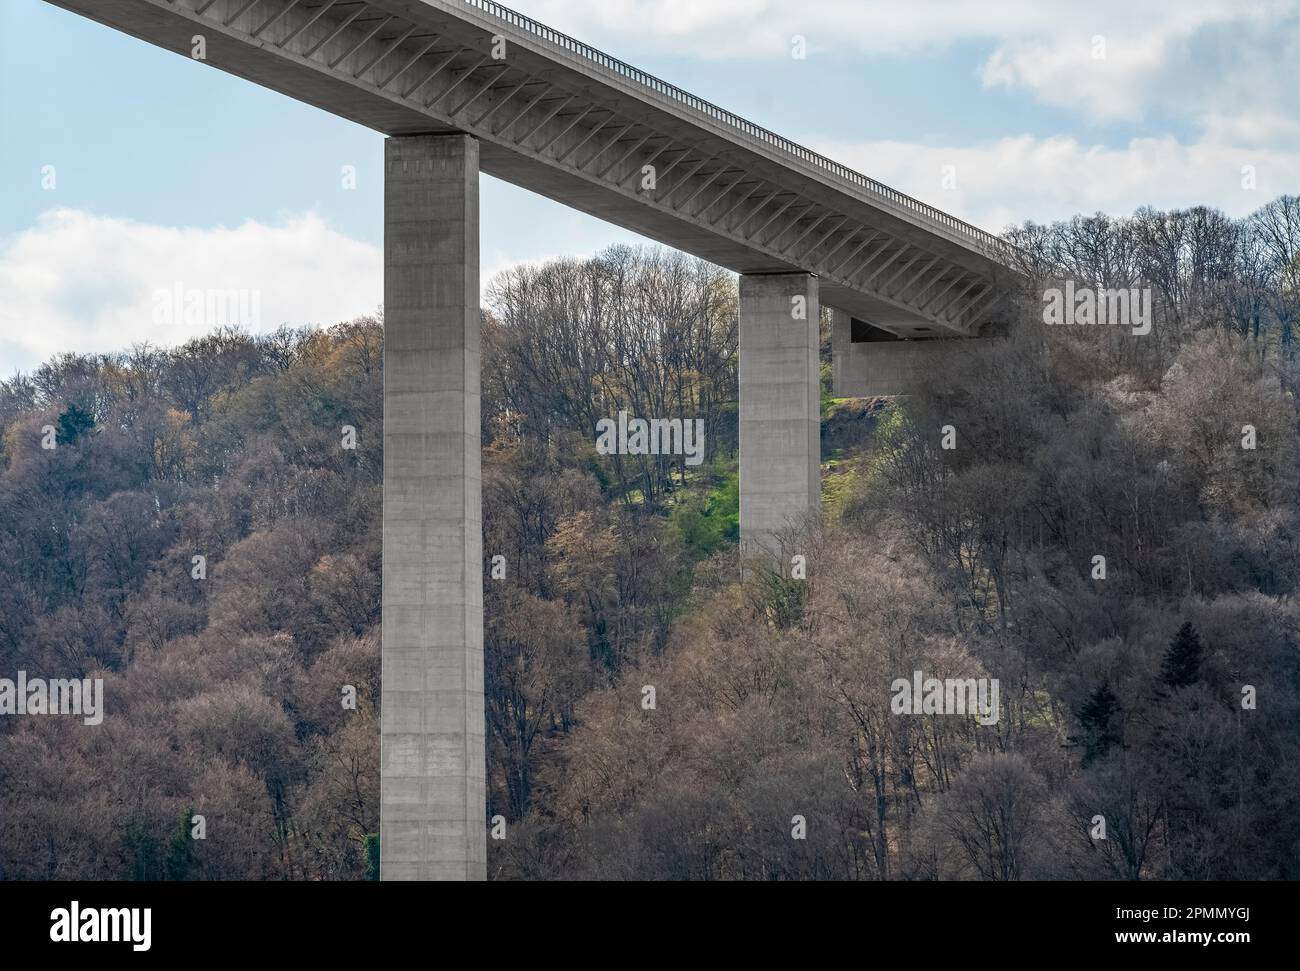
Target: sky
column 127, row 171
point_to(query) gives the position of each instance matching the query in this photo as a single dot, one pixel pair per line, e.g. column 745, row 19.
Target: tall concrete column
column 780, row 408
column 432, row 794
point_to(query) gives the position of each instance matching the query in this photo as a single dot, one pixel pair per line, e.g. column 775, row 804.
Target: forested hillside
column 1121, row 697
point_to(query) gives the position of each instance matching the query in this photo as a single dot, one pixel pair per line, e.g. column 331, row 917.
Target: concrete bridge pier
column 432, row 795
column 780, row 409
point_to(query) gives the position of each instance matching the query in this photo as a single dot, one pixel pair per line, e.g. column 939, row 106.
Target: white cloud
column 1013, row 179
column 81, row 282
column 1066, row 72
column 1153, row 48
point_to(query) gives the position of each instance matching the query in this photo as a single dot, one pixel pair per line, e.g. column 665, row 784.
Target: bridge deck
column 569, row 122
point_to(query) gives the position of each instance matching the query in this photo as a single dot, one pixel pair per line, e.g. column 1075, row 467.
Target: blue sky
column 168, row 170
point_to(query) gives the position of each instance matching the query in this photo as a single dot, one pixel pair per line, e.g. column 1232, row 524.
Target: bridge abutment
column 432, row 793
column 780, row 408
column 867, row 361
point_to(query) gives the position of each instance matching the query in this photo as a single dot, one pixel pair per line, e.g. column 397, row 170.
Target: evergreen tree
column 1181, row 665
column 141, row 851
column 372, row 856
column 72, row 423
column 180, row 851
column 1099, row 717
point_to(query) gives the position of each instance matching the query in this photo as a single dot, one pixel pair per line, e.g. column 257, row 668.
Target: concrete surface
column 885, row 367
column 432, row 799
column 780, row 410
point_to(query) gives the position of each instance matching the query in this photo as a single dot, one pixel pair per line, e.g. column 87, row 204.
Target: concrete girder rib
column 718, row 173
column 411, row 61
column 437, row 70
column 230, row 18
column 789, row 225
column 382, row 54
column 432, row 800
column 780, row 410
column 359, row 43
column 977, row 309
column 822, row 240
column 502, row 101
column 465, row 75
column 304, row 24
column 867, row 241
column 830, row 254
column 275, row 18
column 522, row 112
column 757, row 233
column 683, row 181
column 738, row 228
column 789, row 250
column 626, row 155
column 499, row 72
column 330, row 37
column 605, row 146
column 563, row 103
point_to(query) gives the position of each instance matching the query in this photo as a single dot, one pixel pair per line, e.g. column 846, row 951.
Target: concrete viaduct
column 463, row 86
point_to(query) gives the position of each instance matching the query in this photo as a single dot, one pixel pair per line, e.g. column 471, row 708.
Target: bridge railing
column 995, row 245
